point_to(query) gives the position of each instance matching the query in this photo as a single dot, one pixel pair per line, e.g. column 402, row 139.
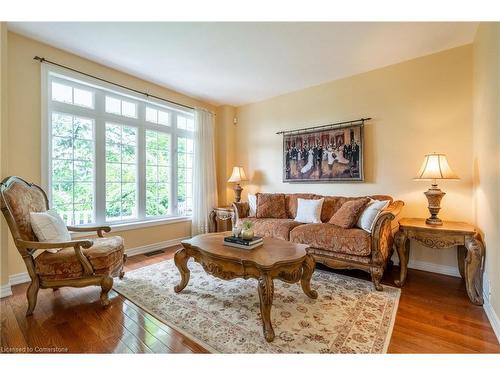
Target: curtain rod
column 329, row 126
column 44, row 60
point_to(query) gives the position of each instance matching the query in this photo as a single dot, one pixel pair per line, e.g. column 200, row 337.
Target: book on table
column 242, row 241
column 244, row 247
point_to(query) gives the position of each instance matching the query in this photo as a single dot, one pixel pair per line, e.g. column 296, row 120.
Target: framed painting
column 330, row 155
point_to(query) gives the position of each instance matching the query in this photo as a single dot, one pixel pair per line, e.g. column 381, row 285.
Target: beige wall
column 419, row 106
column 487, row 149
column 225, row 135
column 24, row 124
column 4, row 277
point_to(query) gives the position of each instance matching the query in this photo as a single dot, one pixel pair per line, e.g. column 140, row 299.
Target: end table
column 221, row 219
column 470, row 249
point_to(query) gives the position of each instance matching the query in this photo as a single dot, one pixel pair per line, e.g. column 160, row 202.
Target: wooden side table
column 470, row 249
column 221, row 219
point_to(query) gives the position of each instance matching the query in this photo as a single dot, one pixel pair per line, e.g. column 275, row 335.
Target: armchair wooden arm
column 98, row 229
column 75, row 244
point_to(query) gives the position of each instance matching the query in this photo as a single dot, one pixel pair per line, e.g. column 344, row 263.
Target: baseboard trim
column 19, row 278
column 5, row 290
column 154, row 246
column 492, row 317
column 23, row 277
column 433, row 267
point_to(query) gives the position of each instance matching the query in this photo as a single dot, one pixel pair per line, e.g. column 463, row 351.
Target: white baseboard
column 154, row 246
column 5, row 291
column 433, row 267
column 23, row 277
column 492, row 316
column 19, row 278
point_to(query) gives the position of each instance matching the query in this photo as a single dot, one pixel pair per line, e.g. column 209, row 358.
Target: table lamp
column 237, row 176
column 435, row 167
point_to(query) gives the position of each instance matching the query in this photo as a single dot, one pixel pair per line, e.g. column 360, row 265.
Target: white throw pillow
column 309, row 210
column 252, row 202
column 370, row 214
column 49, row 227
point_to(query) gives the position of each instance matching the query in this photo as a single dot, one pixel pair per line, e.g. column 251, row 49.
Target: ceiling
column 240, row 63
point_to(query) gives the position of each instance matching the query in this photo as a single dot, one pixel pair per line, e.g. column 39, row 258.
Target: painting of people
column 333, row 154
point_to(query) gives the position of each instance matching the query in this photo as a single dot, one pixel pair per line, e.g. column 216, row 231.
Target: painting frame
column 334, row 141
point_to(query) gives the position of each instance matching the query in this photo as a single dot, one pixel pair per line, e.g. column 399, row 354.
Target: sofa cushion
column 352, row 241
column 271, row 206
column 105, row 256
column 291, row 202
column 347, row 215
column 276, row 228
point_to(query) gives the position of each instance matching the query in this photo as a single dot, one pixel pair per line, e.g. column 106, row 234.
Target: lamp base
column 237, row 193
column 434, row 196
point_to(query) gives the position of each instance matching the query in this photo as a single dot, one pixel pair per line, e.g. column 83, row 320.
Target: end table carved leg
column 474, row 268
column 403, row 248
column 307, row 272
column 461, row 254
column 181, row 258
column 266, row 292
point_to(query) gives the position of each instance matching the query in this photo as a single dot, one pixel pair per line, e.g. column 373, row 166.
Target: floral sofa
column 330, row 245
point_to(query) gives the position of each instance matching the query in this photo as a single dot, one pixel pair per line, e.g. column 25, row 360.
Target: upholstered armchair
column 80, row 263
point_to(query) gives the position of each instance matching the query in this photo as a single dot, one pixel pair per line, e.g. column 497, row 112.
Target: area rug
column 349, row 316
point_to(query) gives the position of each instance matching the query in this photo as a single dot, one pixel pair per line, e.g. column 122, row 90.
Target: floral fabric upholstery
column 271, row 206
column 105, row 256
column 23, row 199
column 352, row 241
column 276, row 228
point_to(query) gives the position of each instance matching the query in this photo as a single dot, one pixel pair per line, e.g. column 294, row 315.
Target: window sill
column 120, row 227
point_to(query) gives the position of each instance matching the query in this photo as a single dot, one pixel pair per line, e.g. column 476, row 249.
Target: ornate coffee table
column 275, row 259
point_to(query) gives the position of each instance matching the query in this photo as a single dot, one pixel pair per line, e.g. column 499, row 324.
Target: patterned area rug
column 224, row 317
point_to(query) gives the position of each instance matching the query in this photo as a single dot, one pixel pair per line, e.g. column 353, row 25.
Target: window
column 114, row 157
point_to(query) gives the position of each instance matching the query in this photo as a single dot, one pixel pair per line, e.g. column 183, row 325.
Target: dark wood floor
column 434, row 316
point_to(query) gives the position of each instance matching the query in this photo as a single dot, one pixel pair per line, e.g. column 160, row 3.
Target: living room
column 269, row 187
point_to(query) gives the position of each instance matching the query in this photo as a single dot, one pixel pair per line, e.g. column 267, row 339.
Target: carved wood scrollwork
column 292, row 275
column 216, row 270
column 438, row 242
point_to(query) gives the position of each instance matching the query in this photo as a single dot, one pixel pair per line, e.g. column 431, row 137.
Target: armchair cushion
column 105, row 256
column 49, row 227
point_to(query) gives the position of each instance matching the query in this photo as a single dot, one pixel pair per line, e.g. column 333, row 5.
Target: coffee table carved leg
column 307, row 272
column 474, row 268
column 403, row 248
column 181, row 258
column 266, row 292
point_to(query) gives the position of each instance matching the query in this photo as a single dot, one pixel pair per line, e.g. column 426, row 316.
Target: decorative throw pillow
column 309, row 210
column 252, row 202
column 49, row 227
column 271, row 206
column 370, row 214
column 347, row 215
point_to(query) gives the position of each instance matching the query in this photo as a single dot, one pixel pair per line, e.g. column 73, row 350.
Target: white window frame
column 100, row 116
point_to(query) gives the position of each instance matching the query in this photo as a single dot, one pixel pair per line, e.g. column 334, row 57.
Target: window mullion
column 173, row 170
column 100, row 159
column 141, row 163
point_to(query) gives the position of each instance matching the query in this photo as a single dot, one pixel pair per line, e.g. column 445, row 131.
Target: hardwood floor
column 434, row 316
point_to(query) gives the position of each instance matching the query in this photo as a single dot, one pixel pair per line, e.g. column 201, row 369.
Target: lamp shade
column 436, row 167
column 238, row 175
